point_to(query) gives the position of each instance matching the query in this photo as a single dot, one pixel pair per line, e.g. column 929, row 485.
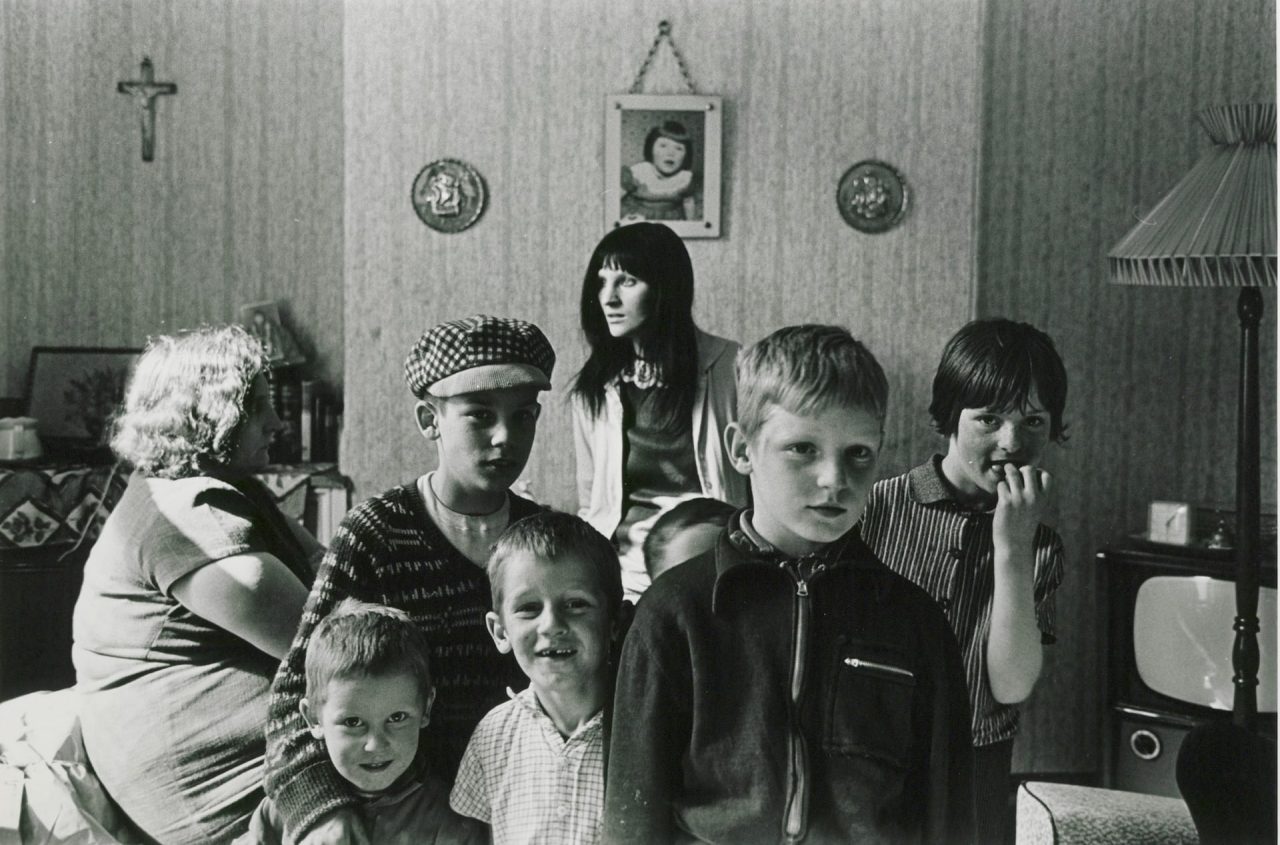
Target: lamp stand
column 1226, row 771
column 1244, row 653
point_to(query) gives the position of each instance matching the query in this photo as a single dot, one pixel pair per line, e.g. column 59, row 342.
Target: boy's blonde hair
column 804, row 369
column 551, row 535
column 359, row 639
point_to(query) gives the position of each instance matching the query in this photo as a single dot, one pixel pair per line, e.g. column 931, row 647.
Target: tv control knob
column 1145, row 745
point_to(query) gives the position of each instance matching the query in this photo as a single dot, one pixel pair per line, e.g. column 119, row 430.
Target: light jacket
column 598, row 439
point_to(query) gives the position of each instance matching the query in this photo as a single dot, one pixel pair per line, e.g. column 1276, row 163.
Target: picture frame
column 644, row 179
column 72, row 392
column 262, row 320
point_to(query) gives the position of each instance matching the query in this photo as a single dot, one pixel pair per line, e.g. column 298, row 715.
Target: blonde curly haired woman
column 191, row 594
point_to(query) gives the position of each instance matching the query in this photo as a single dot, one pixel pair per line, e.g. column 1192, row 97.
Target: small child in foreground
column 369, row 695
column 787, row 686
column 534, row 769
column 684, row 532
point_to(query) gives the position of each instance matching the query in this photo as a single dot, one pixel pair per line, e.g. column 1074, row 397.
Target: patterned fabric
column 915, row 525
column 50, row 506
column 532, row 785
column 1065, row 814
column 387, row 550
column 480, row 341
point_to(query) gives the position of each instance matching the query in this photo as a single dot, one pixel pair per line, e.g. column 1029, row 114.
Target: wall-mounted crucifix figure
column 144, row 92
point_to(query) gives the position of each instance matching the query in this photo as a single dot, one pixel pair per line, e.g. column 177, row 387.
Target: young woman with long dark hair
column 652, row 400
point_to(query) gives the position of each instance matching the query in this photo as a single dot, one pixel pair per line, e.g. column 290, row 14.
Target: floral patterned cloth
column 46, row 507
column 55, row 505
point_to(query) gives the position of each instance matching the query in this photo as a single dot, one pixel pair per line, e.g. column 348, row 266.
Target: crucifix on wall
column 144, row 92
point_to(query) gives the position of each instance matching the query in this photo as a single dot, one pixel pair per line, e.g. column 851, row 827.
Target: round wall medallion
column 872, row 197
column 448, row 195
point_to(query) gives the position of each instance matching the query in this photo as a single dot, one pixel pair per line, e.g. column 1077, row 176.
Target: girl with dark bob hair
column 191, row 594
column 966, row 525
column 652, row 400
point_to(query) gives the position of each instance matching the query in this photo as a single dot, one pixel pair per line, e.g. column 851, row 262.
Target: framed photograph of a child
column 662, row 162
column 262, row 319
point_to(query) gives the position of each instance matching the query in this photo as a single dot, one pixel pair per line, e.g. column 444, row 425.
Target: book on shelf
column 287, row 396
column 307, row 420
column 331, row 507
column 312, row 419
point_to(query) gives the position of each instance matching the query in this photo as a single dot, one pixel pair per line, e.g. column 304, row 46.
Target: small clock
column 1170, row 522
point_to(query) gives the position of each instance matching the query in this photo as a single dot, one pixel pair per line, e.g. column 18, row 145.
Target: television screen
column 1183, row 636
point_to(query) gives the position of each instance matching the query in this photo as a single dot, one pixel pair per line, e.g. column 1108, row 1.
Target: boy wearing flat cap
column 422, row 547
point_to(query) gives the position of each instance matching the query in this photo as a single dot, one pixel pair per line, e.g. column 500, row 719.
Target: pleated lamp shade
column 1217, row 227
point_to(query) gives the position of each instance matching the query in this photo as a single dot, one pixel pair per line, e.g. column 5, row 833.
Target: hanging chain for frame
column 664, row 32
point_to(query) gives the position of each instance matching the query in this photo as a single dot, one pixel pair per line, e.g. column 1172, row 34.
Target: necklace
column 643, row 373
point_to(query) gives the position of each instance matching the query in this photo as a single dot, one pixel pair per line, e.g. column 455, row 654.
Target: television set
column 1171, row 612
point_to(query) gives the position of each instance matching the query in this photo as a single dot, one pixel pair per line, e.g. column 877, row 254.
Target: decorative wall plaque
column 872, row 197
column 448, row 195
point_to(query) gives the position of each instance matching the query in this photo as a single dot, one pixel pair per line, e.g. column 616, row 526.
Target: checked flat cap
column 479, row 353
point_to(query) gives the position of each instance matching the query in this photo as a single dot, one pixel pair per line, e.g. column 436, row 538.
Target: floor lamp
column 1217, row 228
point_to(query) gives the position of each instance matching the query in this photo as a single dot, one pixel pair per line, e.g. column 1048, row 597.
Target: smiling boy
column 967, row 528
column 369, row 695
column 422, row 547
column 534, row 769
column 786, row 686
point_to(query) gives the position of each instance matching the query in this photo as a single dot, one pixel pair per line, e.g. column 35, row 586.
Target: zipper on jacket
column 795, row 822
column 880, row 668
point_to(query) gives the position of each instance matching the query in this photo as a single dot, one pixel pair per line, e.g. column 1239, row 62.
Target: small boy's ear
column 494, row 623
column 737, row 444
column 312, row 720
column 426, row 707
column 427, row 422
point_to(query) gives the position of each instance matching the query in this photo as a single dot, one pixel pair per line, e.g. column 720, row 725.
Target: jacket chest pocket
column 869, row 705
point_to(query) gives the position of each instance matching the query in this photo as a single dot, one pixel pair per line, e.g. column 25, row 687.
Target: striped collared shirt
column 915, row 525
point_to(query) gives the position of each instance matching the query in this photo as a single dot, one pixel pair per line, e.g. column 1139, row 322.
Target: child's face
column 370, row 726
column 810, row 475
column 484, row 438
column 554, row 618
column 988, row 438
column 685, row 544
column 668, row 155
column 626, row 301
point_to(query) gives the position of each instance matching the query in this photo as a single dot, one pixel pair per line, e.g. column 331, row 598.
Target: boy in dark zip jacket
column 786, row 686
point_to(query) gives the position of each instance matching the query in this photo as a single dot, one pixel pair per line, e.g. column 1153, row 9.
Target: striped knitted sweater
column 387, row 550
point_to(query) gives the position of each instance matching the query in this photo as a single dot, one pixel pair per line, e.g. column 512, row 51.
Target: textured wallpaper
column 1089, row 119
column 518, row 90
column 243, row 201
